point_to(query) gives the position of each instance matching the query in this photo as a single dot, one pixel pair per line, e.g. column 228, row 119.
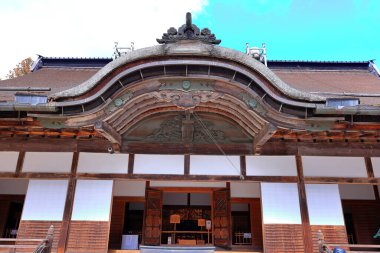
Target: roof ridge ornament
column 188, row 31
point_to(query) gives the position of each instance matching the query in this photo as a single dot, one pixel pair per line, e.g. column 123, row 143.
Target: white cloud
column 84, row 28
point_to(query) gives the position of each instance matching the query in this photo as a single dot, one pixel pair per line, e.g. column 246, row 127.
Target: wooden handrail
column 44, row 245
column 326, row 248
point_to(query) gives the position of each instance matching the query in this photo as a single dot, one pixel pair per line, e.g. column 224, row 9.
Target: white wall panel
column 13, row 186
column 45, row 200
column 214, row 165
column 8, row 161
column 102, row 163
column 376, row 166
column 271, row 166
column 280, row 203
column 92, row 201
column 333, row 166
column 245, row 190
column 159, row 164
column 187, row 184
column 129, row 188
column 59, row 162
column 356, row 191
column 324, row 204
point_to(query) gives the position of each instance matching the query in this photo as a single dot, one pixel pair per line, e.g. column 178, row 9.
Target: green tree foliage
column 22, row 68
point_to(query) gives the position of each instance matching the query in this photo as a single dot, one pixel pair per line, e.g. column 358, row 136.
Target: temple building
column 190, row 143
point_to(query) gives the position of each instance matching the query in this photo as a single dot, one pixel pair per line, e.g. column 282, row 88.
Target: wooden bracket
column 108, row 132
column 262, row 137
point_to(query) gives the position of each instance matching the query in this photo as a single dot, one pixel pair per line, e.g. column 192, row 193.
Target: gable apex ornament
column 188, row 31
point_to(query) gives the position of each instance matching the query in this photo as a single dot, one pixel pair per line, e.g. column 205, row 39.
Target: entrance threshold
column 176, row 248
column 217, row 250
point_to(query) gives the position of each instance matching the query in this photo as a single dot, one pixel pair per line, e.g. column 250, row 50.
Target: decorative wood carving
column 180, row 129
column 222, row 218
column 152, row 217
column 186, row 100
column 188, row 31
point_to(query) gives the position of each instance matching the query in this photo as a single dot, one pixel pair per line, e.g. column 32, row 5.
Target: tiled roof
column 58, row 79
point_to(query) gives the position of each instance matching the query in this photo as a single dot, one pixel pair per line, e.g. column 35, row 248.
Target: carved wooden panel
column 283, row 238
column 152, row 217
column 332, row 234
column 117, row 223
column 222, row 218
column 38, row 230
column 88, row 236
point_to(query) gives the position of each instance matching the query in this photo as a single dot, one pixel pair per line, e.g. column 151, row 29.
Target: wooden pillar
column 20, row 163
column 68, row 205
column 243, row 166
column 131, row 163
column 187, row 165
column 308, row 243
column 371, row 175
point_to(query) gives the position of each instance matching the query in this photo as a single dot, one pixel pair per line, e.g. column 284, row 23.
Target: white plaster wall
column 356, row 191
column 92, row 201
column 214, row 165
column 174, row 198
column 333, row 166
column 8, row 161
column 271, row 166
column 324, row 204
column 187, row 184
column 129, row 188
column 245, row 190
column 58, row 162
column 45, row 200
column 102, row 163
column 159, row 164
column 376, row 166
column 13, row 186
column 200, row 199
column 280, row 203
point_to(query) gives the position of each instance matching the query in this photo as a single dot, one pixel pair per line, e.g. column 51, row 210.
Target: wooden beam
column 269, row 148
column 20, row 163
column 172, row 148
column 108, row 132
column 307, row 236
column 340, row 180
column 321, row 148
column 53, row 145
column 187, row 189
column 206, row 178
column 371, row 175
column 62, row 242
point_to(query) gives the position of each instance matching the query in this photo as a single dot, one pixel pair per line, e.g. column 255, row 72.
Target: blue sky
column 341, row 30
